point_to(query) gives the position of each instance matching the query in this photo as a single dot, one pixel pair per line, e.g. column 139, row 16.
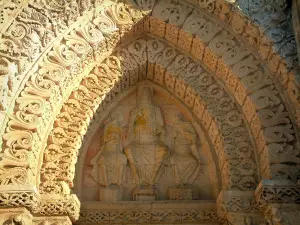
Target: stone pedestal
column 144, row 194
column 182, row 193
column 110, row 194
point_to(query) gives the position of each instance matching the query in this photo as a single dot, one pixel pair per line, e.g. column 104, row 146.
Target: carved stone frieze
column 190, row 212
column 15, row 196
column 59, row 205
column 67, row 39
column 277, row 192
column 236, row 202
column 74, row 53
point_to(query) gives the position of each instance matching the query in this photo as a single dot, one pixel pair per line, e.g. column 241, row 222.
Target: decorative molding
column 19, row 196
column 188, row 212
column 59, row 205
column 236, row 202
column 277, row 192
column 70, row 51
column 48, row 98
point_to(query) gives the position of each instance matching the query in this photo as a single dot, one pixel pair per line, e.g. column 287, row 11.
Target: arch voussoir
column 64, row 68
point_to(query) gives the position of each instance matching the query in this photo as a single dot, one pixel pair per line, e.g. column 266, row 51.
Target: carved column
column 239, row 208
column 279, row 199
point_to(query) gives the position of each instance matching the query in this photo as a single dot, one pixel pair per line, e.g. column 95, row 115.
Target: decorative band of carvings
column 68, row 205
column 277, row 191
column 148, row 217
column 14, row 196
column 147, row 212
column 236, row 201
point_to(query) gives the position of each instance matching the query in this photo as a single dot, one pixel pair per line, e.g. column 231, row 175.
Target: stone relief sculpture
column 7, row 77
column 184, row 156
column 110, row 162
column 146, row 149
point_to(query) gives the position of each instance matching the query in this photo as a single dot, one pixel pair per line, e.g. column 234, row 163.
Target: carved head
column 145, row 94
column 117, row 116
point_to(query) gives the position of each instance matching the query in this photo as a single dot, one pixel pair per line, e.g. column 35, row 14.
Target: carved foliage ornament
column 116, row 74
column 61, row 56
column 64, row 65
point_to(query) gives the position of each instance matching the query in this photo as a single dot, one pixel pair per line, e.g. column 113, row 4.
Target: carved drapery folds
column 67, row 39
column 266, row 96
column 224, row 122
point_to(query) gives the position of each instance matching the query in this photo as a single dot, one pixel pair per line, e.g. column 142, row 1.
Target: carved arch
column 194, row 86
column 209, row 55
column 44, row 92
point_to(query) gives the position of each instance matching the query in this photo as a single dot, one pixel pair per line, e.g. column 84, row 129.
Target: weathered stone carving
column 72, row 14
column 8, row 72
column 146, row 150
column 186, row 213
column 277, row 191
column 39, row 23
column 184, row 156
column 110, row 162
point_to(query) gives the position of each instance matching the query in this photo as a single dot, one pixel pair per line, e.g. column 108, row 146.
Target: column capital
column 277, row 192
column 59, row 205
column 239, row 207
column 236, row 201
column 19, row 196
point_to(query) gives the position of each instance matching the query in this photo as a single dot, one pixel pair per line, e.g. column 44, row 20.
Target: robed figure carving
column 185, row 159
column 146, row 150
column 110, row 162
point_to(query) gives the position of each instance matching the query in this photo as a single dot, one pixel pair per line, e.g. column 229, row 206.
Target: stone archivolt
column 76, row 42
column 204, row 97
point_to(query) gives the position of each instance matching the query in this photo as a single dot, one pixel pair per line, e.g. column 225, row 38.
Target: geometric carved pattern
column 277, row 191
column 67, row 205
column 146, row 217
column 149, row 213
column 21, row 198
column 236, row 202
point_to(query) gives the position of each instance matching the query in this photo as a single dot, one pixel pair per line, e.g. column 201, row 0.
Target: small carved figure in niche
column 146, row 150
column 110, row 162
column 184, row 159
column 8, row 73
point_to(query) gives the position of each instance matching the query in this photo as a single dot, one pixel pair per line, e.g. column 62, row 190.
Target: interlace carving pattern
column 146, row 217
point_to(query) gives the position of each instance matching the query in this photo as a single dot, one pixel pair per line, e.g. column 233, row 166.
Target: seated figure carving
column 185, row 159
column 110, row 162
column 146, row 149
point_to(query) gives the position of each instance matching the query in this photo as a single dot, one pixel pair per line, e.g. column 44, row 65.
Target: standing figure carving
column 146, row 150
column 110, row 162
column 185, row 159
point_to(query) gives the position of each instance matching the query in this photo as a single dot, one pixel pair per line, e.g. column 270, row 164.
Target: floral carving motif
column 67, row 62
